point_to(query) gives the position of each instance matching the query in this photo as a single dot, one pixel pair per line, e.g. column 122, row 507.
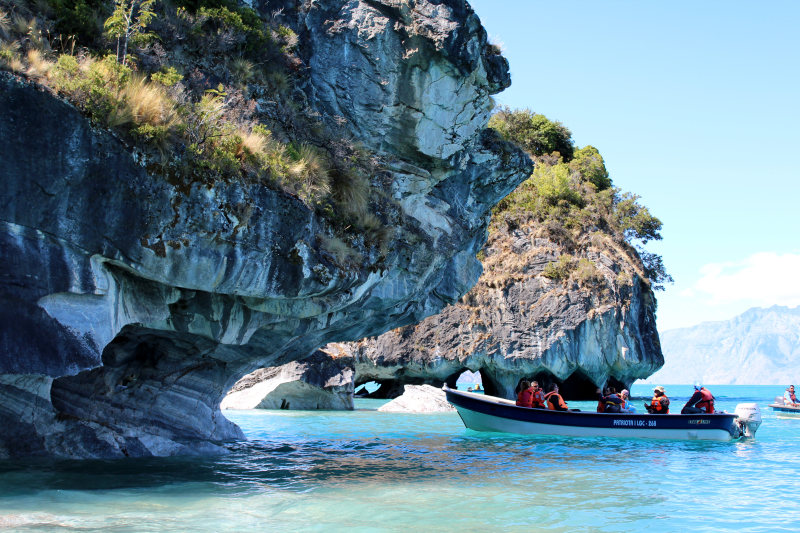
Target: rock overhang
column 132, row 285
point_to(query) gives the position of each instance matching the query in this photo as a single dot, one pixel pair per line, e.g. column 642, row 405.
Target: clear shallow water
column 367, row 471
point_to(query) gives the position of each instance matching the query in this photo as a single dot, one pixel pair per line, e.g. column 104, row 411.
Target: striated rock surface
column 419, row 399
column 139, row 302
column 581, row 333
column 318, row 382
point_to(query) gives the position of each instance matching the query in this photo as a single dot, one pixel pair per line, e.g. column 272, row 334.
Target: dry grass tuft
column 310, row 173
column 253, row 141
column 342, row 253
column 148, row 102
column 38, row 65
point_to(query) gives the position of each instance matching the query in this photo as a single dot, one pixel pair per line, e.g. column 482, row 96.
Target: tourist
column 701, row 402
column 627, row 406
column 608, row 401
column 538, row 396
column 554, row 400
column 659, row 405
column 525, row 395
column 789, row 398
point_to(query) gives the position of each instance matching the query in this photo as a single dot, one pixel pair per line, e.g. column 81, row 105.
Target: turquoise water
column 366, row 471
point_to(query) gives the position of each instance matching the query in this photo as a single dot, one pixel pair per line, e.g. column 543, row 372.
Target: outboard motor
column 749, row 418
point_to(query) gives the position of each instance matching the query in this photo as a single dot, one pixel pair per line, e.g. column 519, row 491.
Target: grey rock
column 145, row 301
column 516, row 324
column 318, row 382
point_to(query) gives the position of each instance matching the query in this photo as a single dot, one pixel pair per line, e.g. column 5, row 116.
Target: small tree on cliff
column 128, row 22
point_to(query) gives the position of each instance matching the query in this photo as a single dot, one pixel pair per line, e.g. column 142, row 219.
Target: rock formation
column 580, row 333
column 317, row 382
column 418, row 399
column 131, row 303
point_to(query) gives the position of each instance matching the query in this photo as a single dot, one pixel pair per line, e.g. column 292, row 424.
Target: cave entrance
column 471, row 381
column 578, row 387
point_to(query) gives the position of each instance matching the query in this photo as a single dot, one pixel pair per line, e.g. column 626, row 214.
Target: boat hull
column 782, row 411
column 487, row 413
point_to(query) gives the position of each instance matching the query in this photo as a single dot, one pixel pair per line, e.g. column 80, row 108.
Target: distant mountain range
column 758, row 347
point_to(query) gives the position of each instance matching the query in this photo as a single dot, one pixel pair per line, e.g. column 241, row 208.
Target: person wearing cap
column 659, row 405
column 701, row 402
column 627, row 406
column 789, row 398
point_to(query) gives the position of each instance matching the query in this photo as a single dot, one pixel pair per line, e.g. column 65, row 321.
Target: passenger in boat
column 554, row 400
column 659, row 405
column 525, row 395
column 608, row 401
column 789, row 397
column 627, row 406
column 701, row 402
column 538, row 396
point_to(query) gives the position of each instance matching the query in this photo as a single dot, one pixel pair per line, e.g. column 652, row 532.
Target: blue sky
column 694, row 107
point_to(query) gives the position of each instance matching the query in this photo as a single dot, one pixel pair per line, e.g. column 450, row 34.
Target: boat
column 784, row 411
column 490, row 413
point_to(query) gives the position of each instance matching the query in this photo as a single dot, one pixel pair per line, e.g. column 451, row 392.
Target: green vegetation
column 204, row 88
column 127, row 23
column 533, row 132
column 570, row 197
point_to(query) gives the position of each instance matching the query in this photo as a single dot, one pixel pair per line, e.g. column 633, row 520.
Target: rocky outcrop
column 318, row 382
column 139, row 301
column 419, row 399
column 595, row 328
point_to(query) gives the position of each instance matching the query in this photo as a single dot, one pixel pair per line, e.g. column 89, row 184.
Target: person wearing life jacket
column 627, row 407
column 554, row 400
column 789, row 397
column 538, row 396
column 609, row 401
column 659, row 405
column 702, row 401
column 525, row 395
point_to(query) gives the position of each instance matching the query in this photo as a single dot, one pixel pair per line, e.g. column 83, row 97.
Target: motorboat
column 784, row 411
column 490, row 413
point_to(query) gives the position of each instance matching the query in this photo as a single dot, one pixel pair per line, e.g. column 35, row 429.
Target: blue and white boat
column 489, row 413
column 784, row 411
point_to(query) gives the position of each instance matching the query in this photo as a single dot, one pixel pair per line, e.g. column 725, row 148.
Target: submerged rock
column 139, row 301
column 419, row 399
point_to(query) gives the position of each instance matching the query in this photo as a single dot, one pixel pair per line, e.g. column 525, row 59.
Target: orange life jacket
column 525, row 397
column 554, row 397
column 707, row 403
column 538, row 399
column 658, row 407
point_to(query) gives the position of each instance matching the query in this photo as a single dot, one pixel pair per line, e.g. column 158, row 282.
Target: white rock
column 419, row 399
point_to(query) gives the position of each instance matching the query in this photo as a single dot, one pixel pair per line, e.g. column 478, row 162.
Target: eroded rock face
column 318, row 382
column 139, row 302
column 517, row 323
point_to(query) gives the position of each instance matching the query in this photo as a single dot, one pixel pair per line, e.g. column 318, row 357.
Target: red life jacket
column 525, row 397
column 793, row 397
column 538, row 399
column 658, row 407
column 707, row 403
column 601, row 406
